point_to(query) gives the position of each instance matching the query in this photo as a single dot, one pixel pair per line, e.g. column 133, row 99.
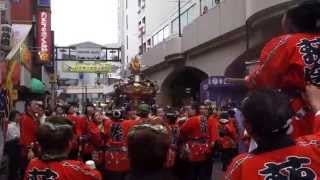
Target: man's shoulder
column 81, row 169
column 309, row 140
column 25, row 117
column 70, row 168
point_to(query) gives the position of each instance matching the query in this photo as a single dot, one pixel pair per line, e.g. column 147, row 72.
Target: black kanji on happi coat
column 116, row 132
column 310, row 51
column 204, row 125
column 294, row 168
column 175, row 135
column 46, row 174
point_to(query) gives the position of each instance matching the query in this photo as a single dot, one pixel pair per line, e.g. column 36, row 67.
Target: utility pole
column 179, row 16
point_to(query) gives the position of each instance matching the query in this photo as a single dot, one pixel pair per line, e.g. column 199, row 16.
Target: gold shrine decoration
column 135, row 65
column 103, row 68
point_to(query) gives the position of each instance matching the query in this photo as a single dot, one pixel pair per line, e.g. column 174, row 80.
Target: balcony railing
column 221, row 19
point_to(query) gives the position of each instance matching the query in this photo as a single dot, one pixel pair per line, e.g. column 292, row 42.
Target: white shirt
column 13, row 131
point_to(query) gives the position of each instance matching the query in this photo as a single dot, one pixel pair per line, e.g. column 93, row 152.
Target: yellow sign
column 103, row 68
column 44, row 56
column 52, row 78
column 14, row 94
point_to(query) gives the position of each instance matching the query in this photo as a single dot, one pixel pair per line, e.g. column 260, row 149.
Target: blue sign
column 44, row 3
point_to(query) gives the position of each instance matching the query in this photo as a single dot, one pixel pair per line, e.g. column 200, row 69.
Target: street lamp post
column 179, row 16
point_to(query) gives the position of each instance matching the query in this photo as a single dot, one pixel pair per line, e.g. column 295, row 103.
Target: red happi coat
column 116, row 155
column 198, row 144
column 28, row 133
column 76, row 120
column 286, row 63
column 77, row 130
column 90, row 129
column 229, row 140
column 60, row 170
column 295, row 162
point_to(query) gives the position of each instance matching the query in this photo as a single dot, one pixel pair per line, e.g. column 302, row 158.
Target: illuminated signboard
column 43, row 3
column 44, row 36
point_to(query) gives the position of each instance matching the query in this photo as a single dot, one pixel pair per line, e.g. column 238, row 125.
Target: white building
column 92, row 84
column 144, row 24
column 218, row 38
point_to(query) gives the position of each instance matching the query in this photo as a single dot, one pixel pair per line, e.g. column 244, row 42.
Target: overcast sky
column 77, row 21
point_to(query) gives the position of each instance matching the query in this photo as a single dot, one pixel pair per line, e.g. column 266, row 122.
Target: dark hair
column 305, row 17
column 268, row 112
column 86, row 108
column 196, row 106
column 171, row 116
column 28, row 103
column 48, row 112
column 224, row 115
column 147, row 149
column 54, row 135
column 60, row 106
column 67, row 108
column 231, row 113
column 13, row 115
column 154, row 109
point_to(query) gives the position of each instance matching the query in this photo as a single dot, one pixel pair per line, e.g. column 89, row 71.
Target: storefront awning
column 20, row 33
column 37, row 86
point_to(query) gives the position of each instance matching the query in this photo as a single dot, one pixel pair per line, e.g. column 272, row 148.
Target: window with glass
column 192, row 14
column 166, row 32
column 161, row 35
column 175, row 26
column 186, row 18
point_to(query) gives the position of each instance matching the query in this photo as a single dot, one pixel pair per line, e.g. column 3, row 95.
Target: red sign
column 44, row 36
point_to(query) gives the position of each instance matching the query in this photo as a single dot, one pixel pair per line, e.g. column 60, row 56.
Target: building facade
column 79, row 73
column 218, row 39
column 30, row 57
column 144, row 24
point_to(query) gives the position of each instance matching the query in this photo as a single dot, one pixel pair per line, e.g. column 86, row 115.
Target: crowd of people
column 149, row 142
column 274, row 134
column 163, row 143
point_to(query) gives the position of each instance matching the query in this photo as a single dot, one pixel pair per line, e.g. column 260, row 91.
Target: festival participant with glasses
column 55, row 138
column 200, row 135
column 267, row 119
column 289, row 61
